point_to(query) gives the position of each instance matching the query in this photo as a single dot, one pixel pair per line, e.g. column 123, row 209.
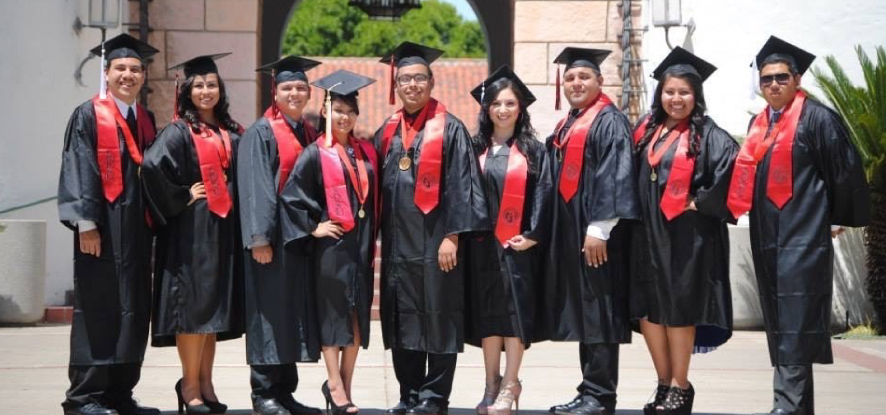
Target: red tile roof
column 454, row 79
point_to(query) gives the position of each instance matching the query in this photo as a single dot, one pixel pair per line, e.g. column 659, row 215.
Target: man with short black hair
column 100, row 198
column 802, row 180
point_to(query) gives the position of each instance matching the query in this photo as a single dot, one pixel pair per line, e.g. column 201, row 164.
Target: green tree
column 864, row 110
column 333, row 28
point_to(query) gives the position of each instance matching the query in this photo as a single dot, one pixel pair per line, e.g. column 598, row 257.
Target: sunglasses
column 781, row 78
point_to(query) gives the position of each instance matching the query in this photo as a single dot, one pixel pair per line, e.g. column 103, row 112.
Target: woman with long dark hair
column 331, row 210
column 188, row 175
column 503, row 264
column 680, row 295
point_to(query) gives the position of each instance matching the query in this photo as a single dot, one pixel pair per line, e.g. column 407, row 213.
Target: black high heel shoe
column 215, row 407
column 184, row 407
column 661, row 393
column 678, row 402
column 336, row 410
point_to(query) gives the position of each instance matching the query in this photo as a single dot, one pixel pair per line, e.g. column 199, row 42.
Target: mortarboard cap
column 343, row 82
column 684, row 61
column 289, row 68
column 200, row 65
column 124, row 46
column 802, row 58
column 581, row 57
column 503, row 72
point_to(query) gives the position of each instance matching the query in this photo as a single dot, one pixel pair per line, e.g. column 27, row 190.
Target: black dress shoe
column 776, row 411
column 132, row 408
column 90, row 409
column 399, row 409
column 582, row 406
column 429, row 407
column 268, row 406
column 295, row 407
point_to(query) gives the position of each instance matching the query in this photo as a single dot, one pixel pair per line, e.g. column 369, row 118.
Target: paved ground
column 733, row 380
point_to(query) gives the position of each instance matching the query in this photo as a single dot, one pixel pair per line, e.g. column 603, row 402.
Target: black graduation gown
column 682, row 265
column 281, row 325
column 197, row 269
column 579, row 302
column 112, row 293
column 792, row 247
column 502, row 283
column 422, row 307
column 342, row 269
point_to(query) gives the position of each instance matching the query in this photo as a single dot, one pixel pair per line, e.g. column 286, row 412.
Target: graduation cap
column 124, row 46
column 289, row 68
column 684, row 61
column 802, row 59
column 201, row 65
column 574, row 57
column 342, row 83
column 504, row 71
column 409, row 53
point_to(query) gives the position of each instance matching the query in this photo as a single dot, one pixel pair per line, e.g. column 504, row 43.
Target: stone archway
column 496, row 18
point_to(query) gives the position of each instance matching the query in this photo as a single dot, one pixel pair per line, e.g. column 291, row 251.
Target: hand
column 198, row 191
column 837, row 232
column 595, row 251
column 328, row 228
column 91, row 242
column 519, row 243
column 447, row 256
column 691, row 205
column 263, row 254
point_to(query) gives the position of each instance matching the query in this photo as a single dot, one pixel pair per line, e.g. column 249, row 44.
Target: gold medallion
column 361, row 213
column 405, row 163
column 653, row 176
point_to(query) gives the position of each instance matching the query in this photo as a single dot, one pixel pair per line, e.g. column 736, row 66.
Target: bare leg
column 190, row 350
column 657, row 342
column 680, row 343
column 349, row 359
column 492, row 358
column 513, row 358
column 206, row 363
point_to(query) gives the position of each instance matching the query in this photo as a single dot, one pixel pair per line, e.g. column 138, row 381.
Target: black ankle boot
column 661, row 393
column 678, row 401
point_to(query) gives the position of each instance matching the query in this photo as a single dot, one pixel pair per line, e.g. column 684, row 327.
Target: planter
column 22, row 270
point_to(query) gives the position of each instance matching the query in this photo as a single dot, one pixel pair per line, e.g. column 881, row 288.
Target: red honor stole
column 780, row 182
column 288, row 146
column 575, row 145
column 110, row 161
column 676, row 193
column 332, row 157
column 214, row 156
column 427, row 189
column 510, row 212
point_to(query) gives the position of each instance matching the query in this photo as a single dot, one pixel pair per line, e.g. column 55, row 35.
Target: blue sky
column 464, row 9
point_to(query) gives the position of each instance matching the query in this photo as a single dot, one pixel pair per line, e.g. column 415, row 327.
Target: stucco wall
column 40, row 52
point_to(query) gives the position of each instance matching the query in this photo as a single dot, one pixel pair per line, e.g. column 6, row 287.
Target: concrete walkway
column 733, row 380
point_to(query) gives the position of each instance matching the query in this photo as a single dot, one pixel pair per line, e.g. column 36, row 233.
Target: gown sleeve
column 464, row 198
column 163, row 172
column 842, row 170
column 257, row 186
column 611, row 191
column 302, row 197
column 80, row 192
column 539, row 226
column 715, row 163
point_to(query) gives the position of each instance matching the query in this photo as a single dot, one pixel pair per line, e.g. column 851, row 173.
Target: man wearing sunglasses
column 802, row 180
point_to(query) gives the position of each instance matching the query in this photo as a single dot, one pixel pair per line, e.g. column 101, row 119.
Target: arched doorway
column 496, row 17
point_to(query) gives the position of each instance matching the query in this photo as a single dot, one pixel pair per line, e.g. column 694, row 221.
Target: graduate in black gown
column 331, row 206
column 432, row 197
column 680, row 292
column 585, row 292
column 503, row 264
column 189, row 177
column 808, row 183
column 281, row 326
column 100, row 198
